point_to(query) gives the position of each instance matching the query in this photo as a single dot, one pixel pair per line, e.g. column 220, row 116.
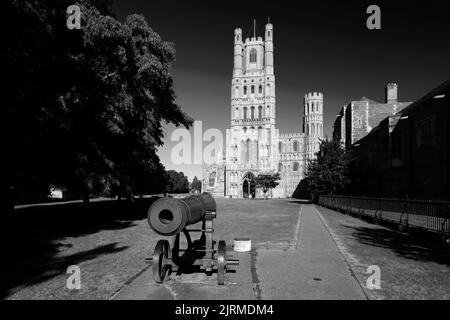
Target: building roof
column 444, row 88
column 367, row 99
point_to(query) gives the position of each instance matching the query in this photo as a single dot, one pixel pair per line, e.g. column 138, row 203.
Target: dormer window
column 253, row 55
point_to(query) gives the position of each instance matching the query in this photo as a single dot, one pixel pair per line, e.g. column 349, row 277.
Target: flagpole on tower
column 254, row 28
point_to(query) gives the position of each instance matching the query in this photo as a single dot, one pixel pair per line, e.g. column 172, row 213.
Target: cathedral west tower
column 253, row 143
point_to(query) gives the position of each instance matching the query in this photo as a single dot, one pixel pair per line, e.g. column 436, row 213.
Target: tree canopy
column 328, row 173
column 265, row 182
column 84, row 108
column 177, row 182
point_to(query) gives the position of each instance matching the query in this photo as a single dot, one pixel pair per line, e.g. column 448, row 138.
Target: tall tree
column 177, row 182
column 84, row 107
column 328, row 173
column 265, row 182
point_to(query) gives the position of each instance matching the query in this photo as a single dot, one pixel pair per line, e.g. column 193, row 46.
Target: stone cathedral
column 253, row 143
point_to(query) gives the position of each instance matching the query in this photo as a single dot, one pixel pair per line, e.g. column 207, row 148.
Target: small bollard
column 242, row 245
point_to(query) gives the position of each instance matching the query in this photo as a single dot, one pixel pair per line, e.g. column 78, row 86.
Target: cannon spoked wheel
column 160, row 255
column 221, row 261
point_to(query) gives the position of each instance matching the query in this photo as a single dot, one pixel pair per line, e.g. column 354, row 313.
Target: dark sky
column 318, row 46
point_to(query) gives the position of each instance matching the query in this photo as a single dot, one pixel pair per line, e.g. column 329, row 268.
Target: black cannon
column 170, row 217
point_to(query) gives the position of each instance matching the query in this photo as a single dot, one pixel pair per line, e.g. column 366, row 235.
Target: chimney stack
column 391, row 93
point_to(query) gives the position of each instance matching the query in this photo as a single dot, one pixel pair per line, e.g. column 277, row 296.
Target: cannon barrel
column 168, row 216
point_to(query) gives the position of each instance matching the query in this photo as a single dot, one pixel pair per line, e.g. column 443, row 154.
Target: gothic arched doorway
column 248, row 186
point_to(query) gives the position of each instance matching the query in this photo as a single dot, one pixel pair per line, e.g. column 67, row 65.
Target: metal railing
column 430, row 215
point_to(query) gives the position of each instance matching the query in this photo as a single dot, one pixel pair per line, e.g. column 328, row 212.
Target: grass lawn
column 412, row 267
column 109, row 241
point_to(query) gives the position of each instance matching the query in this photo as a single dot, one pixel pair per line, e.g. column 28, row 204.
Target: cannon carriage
column 171, row 217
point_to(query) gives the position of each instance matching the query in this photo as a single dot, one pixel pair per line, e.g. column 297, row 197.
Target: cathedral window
column 295, row 146
column 245, row 90
column 252, row 112
column 247, row 151
column 295, row 166
column 252, row 90
column 245, row 113
column 253, row 55
column 212, row 179
column 260, row 89
column 280, row 147
column 317, row 107
column 260, row 111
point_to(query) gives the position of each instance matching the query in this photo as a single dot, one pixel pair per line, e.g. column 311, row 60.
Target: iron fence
column 431, row 215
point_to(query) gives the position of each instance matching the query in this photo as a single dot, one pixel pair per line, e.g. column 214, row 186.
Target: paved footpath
column 312, row 267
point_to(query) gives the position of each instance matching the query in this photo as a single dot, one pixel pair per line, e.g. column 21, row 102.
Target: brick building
column 407, row 153
column 356, row 119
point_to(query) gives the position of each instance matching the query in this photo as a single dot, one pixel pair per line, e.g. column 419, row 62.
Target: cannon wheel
column 160, row 255
column 221, row 262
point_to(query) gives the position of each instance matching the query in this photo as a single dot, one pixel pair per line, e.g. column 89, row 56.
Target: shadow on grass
column 416, row 246
column 31, row 237
column 301, row 201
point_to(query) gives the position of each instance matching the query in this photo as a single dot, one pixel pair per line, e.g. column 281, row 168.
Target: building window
column 245, row 90
column 260, row 112
column 295, row 166
column 252, row 90
column 245, row 113
column 317, row 107
column 253, row 55
column 260, row 89
column 212, row 179
column 247, row 151
column 295, row 146
column 252, row 112
column 426, row 132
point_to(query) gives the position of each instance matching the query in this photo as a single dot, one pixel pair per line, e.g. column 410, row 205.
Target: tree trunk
column 86, row 198
column 86, row 195
column 8, row 203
